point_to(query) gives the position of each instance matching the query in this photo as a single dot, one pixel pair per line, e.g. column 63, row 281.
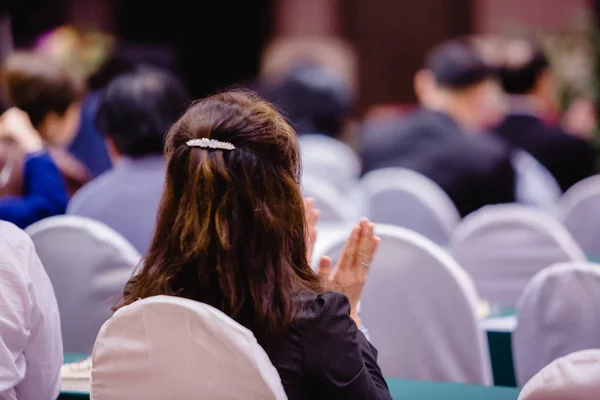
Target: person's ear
column 113, row 153
column 424, row 86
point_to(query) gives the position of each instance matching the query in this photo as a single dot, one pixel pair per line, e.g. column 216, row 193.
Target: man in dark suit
column 527, row 78
column 442, row 139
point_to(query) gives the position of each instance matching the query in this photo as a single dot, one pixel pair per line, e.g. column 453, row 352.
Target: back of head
column 137, row 108
column 456, row 64
column 524, row 63
column 315, row 99
column 39, row 86
column 231, row 229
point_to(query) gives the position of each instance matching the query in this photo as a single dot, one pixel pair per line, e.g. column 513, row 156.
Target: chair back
column 573, row 377
column 332, row 159
column 420, row 309
column 88, row 264
column 557, row 315
column 334, row 207
column 167, row 347
column 578, row 210
column 503, row 246
column 398, row 196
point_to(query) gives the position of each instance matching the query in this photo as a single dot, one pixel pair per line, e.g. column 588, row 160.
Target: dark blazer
column 568, row 158
column 474, row 170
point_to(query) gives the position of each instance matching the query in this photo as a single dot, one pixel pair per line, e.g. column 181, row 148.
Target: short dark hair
column 137, row 109
column 314, row 99
column 39, row 86
column 456, row 64
column 520, row 76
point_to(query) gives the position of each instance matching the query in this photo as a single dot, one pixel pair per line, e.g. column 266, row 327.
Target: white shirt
column 31, row 352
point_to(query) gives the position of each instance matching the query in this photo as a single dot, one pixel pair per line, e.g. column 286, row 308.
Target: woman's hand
column 312, row 217
column 350, row 274
column 16, row 125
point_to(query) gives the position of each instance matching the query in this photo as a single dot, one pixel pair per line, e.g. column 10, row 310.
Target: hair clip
column 210, row 144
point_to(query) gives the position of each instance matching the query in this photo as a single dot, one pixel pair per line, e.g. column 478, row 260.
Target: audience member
column 528, row 79
column 315, row 100
column 135, row 112
column 50, row 95
column 232, row 232
column 442, row 139
column 42, row 191
column 31, row 350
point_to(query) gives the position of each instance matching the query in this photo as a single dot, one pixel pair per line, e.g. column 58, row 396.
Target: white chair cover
column 420, row 309
column 535, row 185
column 333, row 205
column 573, row 377
column 88, row 264
column 332, row 159
column 557, row 315
column 167, row 347
column 503, row 246
column 402, row 197
column 578, row 211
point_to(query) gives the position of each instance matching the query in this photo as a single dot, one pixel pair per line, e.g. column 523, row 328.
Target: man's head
column 48, row 92
column 455, row 80
column 526, row 71
column 137, row 109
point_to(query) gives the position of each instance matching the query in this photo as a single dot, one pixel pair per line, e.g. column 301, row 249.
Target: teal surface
column 414, row 390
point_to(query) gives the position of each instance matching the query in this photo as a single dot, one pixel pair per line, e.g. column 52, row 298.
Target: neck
column 455, row 106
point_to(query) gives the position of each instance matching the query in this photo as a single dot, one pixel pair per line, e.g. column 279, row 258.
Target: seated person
column 38, row 192
column 315, row 100
column 50, row 95
column 442, row 140
column 528, row 79
column 31, row 350
column 135, row 112
column 232, row 232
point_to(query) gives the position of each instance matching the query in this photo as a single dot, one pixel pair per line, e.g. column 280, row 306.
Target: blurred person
column 233, row 232
column 136, row 110
column 31, row 349
column 38, row 192
column 50, row 95
column 443, row 139
column 529, row 82
column 315, row 99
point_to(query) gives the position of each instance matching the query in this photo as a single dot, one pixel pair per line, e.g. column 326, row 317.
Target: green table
column 500, row 348
column 415, row 390
column 70, row 358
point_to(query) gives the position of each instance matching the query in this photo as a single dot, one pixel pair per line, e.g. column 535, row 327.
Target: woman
column 232, row 233
column 41, row 192
column 50, row 95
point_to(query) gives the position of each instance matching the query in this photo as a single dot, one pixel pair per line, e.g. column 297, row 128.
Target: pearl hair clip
column 210, row 144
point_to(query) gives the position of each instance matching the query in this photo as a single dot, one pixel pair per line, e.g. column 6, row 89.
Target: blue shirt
column 44, row 193
column 126, row 198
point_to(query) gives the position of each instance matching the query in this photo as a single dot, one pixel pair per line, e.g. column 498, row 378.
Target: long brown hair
column 231, row 230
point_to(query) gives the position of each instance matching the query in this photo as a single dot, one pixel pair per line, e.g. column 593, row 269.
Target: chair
column 503, row 246
column 88, row 264
column 402, row 197
column 557, row 315
column 578, row 210
column 333, row 205
column 420, row 309
column 573, row 377
column 167, row 347
column 332, row 159
column 535, row 185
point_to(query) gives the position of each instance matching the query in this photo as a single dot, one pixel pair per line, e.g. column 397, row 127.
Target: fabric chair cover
column 331, row 159
column 167, row 347
column 420, row 309
column 402, row 197
column 88, row 264
column 333, row 205
column 535, row 185
column 557, row 315
column 578, row 211
column 573, row 377
column 503, row 246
